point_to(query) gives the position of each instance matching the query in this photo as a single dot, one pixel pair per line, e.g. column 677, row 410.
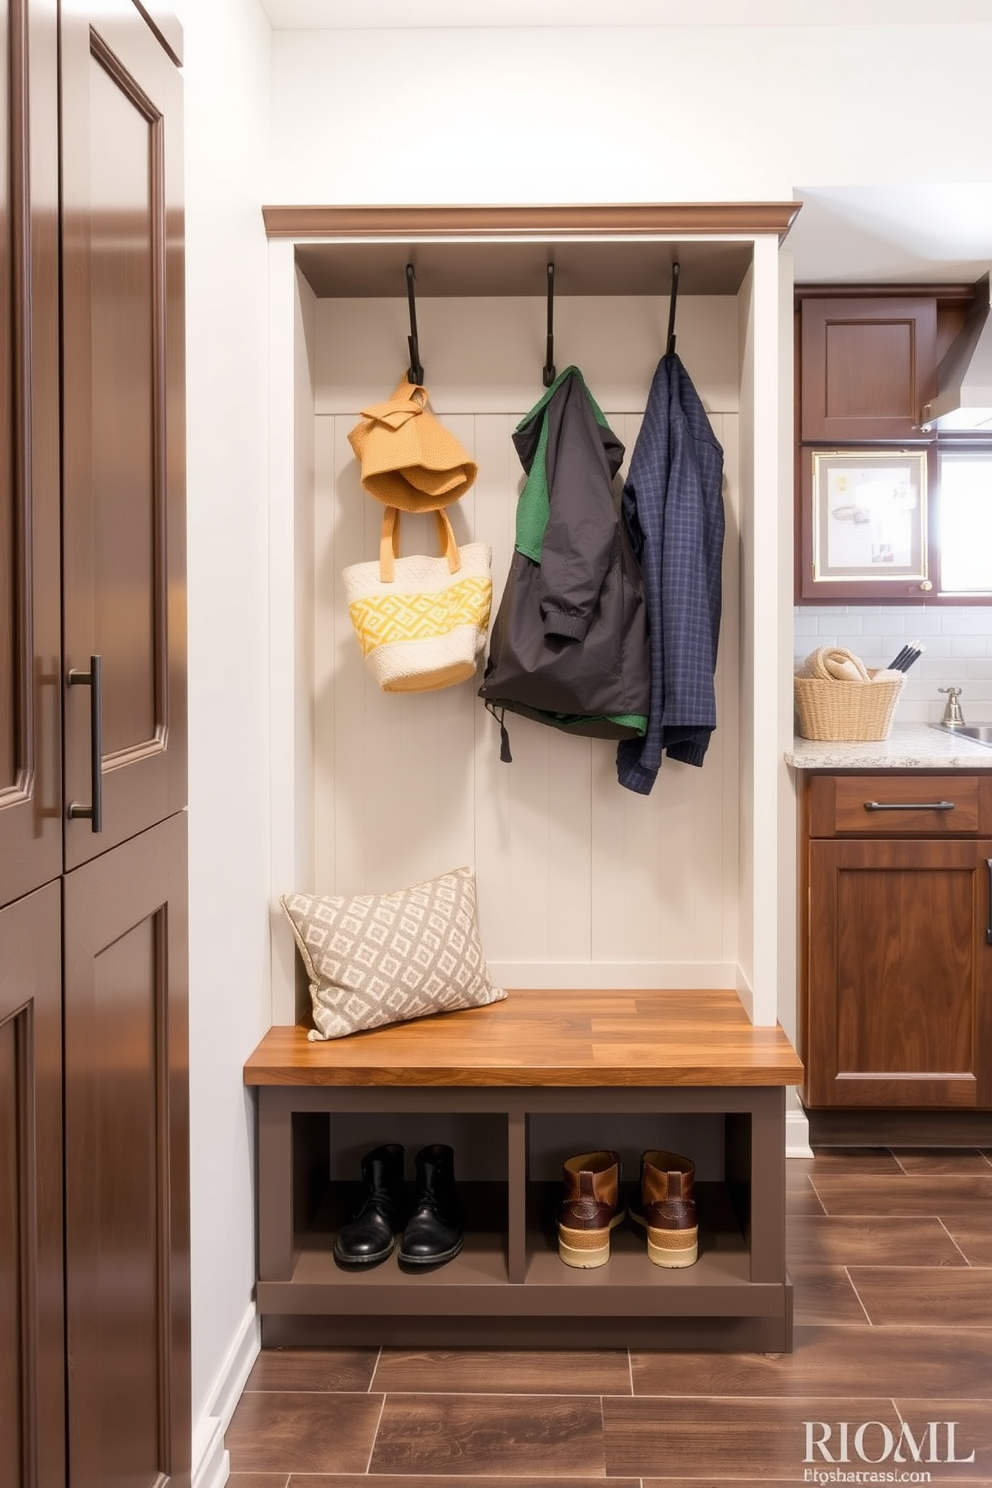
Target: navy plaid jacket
column 673, row 508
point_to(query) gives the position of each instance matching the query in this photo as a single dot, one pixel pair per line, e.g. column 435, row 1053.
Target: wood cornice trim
column 706, row 218
column 947, row 296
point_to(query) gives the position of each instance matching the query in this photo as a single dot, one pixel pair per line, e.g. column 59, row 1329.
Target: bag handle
column 389, row 542
column 406, row 402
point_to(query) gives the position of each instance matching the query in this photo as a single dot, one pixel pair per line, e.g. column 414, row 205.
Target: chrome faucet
column 953, row 717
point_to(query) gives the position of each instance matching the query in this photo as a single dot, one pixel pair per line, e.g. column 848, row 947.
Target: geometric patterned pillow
column 374, row 959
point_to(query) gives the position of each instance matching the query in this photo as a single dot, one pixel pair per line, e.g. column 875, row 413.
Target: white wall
column 226, row 84
column 460, row 117
column 651, row 114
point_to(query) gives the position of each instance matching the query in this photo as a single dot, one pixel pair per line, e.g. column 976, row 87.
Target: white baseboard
column 600, row 976
column 211, row 1463
column 797, row 1134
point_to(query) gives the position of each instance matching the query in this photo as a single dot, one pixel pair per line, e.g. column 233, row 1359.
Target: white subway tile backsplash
column 976, row 620
column 925, row 623
column 957, row 642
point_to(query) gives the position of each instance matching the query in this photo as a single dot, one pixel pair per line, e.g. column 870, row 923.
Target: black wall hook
column 415, row 372
column 671, row 309
column 549, row 364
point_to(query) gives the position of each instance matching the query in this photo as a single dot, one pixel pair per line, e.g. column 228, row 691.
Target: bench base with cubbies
column 538, row 1054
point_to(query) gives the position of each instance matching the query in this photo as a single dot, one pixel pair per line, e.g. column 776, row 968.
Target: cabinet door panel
column 31, row 1315
column 30, row 671
column 123, row 477
column 899, row 974
column 127, row 1221
column 868, row 367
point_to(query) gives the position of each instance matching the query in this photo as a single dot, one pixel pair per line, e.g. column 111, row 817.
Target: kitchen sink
column 979, row 733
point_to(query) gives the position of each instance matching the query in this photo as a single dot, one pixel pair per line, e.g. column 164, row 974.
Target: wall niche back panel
column 580, row 881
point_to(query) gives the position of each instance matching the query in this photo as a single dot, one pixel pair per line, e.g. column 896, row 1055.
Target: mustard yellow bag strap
column 446, row 540
column 389, row 543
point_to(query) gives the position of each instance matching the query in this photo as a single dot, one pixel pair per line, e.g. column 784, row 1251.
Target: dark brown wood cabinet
column 30, row 619
column 94, row 1252
column 868, row 474
column 123, row 425
column 897, row 942
column 126, row 1159
column 867, row 367
column 32, row 1385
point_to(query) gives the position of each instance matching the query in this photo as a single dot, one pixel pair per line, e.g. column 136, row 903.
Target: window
column 964, row 521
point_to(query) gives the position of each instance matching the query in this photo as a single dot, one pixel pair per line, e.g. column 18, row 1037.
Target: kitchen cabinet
column 867, row 367
column 867, row 360
column 94, row 1384
column 897, row 941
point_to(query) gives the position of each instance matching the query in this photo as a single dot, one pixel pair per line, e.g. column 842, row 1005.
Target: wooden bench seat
column 691, row 1057
column 552, row 1038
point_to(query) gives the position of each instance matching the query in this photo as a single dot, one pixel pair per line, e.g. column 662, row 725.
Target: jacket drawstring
column 504, row 737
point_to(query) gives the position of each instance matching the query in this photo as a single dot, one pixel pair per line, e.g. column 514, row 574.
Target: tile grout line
column 375, row 1435
column 850, row 1278
column 602, row 1433
column 955, row 1244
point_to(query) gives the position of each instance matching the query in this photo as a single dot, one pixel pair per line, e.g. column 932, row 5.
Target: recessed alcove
column 580, row 882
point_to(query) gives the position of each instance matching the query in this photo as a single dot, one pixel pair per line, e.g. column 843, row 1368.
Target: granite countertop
column 910, row 746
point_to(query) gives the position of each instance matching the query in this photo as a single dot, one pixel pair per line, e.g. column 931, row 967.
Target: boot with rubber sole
column 370, row 1234
column 666, row 1210
column 433, row 1232
column 590, row 1209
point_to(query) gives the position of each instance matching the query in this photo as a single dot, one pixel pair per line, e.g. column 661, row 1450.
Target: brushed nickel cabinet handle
column 909, row 805
column 93, row 680
column 988, row 927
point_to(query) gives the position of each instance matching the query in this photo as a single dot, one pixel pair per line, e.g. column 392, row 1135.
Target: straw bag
column 421, row 621
column 408, row 459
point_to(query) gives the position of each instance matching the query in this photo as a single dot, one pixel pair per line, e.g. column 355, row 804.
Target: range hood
column 964, row 377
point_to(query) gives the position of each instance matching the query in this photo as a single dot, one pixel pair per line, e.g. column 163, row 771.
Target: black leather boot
column 370, row 1234
column 433, row 1231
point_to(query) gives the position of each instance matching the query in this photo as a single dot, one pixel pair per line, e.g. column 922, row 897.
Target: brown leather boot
column 590, row 1209
column 667, row 1209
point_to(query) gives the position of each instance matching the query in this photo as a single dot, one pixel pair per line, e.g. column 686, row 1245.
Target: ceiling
column 910, row 233
column 310, row 15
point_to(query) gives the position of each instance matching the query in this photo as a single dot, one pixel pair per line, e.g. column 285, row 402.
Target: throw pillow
column 374, row 959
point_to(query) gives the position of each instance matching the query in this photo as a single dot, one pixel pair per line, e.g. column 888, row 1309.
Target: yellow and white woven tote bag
column 421, row 621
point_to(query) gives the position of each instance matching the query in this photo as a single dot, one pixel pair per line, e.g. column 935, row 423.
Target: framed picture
column 865, row 519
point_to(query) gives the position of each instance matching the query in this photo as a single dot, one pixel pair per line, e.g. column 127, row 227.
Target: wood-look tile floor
column 890, row 1254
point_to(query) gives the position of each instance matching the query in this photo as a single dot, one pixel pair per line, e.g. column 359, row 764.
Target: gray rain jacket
column 569, row 644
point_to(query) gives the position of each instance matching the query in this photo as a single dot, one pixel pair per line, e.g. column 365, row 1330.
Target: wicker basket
column 826, row 709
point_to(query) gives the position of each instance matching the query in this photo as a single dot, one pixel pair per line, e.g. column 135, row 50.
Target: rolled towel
column 834, row 663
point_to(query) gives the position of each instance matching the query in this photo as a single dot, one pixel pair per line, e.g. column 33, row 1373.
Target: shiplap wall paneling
column 580, row 881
